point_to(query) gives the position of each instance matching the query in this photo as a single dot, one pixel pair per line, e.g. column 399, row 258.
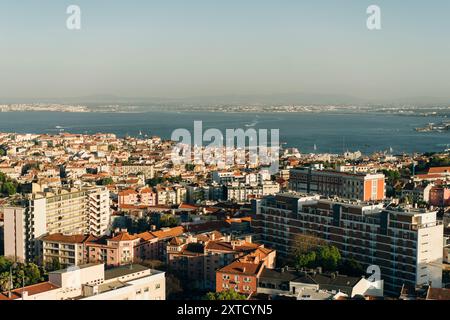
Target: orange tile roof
column 59, row 237
column 172, row 232
column 146, row 236
column 31, row 290
column 123, row 236
column 439, row 170
column 241, row 268
column 219, row 246
column 127, row 192
column 187, row 206
column 176, row 242
column 429, row 176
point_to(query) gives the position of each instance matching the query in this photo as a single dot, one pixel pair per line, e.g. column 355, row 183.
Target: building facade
column 407, row 245
column 66, row 211
column 93, row 282
column 358, row 186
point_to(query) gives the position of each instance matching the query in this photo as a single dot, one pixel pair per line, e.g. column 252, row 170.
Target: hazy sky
column 176, row 48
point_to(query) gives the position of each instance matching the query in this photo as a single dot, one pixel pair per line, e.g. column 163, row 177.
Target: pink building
column 128, row 197
column 147, row 197
column 440, row 196
column 142, row 197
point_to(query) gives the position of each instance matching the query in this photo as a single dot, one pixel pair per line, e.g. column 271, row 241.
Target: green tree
column 54, row 265
column 306, row 260
column 22, row 274
column 168, row 221
column 5, row 264
column 224, row 295
column 392, row 176
column 106, row 181
column 328, row 257
column 141, row 225
column 4, row 281
column 8, row 188
column 351, row 267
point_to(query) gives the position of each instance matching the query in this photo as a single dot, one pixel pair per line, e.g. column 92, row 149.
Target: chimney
column 153, row 227
column 25, row 295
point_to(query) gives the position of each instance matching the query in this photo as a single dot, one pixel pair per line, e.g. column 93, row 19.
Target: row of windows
column 236, row 278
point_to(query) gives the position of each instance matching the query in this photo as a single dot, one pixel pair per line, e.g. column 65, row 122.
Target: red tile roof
column 123, row 236
column 59, row 237
column 31, row 290
column 241, row 268
column 439, row 170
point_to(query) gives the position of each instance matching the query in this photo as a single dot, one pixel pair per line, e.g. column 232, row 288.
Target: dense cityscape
column 102, row 217
column 217, row 159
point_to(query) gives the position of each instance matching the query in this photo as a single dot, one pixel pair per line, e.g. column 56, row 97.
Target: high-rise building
column 358, row 186
column 407, row 244
column 66, row 211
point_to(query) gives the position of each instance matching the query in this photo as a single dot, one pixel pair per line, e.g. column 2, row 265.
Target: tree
column 22, row 274
column 309, row 251
column 106, row 181
column 224, row 295
column 392, row 176
column 352, row 268
column 303, row 244
column 54, row 265
column 173, row 287
column 306, row 260
column 5, row 281
column 5, row 264
column 168, row 221
column 139, row 226
column 8, row 188
column 328, row 257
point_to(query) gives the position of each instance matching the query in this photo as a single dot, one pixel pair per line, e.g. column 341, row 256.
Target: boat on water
column 432, row 127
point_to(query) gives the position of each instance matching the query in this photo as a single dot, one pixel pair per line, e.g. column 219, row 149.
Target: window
column 157, row 286
column 226, row 277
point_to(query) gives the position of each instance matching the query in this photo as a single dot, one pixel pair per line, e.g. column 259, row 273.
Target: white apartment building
column 92, row 282
column 407, row 244
column 67, row 211
column 358, row 186
column 243, row 193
